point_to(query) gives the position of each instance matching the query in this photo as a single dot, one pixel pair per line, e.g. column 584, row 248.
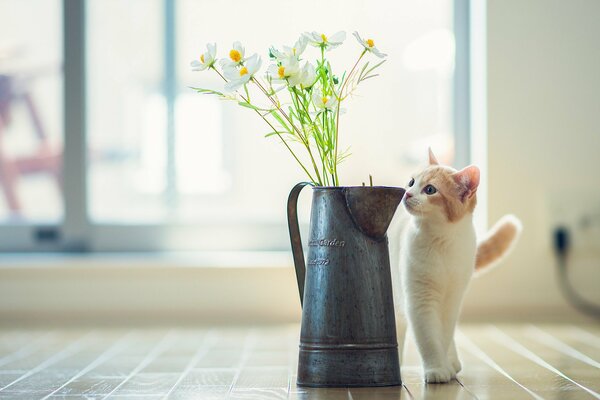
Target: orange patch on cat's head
column 455, row 192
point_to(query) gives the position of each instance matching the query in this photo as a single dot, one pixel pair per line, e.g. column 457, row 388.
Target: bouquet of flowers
column 300, row 101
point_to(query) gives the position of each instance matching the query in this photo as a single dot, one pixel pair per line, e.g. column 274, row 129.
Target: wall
column 159, row 289
column 543, row 95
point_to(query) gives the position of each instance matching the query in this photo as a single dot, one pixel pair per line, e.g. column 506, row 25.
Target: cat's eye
column 429, row 190
column 412, row 182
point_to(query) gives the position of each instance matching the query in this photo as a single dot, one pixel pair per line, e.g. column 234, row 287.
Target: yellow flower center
column 202, row 58
column 323, row 37
column 235, row 55
column 281, row 72
column 325, row 100
column 243, row 71
column 370, row 42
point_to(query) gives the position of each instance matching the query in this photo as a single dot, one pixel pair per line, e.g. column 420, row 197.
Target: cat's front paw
column 438, row 375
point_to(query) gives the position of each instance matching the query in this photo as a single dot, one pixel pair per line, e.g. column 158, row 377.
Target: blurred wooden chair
column 45, row 159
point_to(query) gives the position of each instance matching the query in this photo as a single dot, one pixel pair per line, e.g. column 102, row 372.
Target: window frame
column 76, row 233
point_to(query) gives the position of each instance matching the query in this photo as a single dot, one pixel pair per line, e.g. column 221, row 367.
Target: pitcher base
column 348, row 368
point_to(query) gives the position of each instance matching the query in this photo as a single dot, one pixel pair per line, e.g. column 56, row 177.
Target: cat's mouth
column 413, row 206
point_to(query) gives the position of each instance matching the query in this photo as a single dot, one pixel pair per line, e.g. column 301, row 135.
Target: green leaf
column 292, row 113
column 376, row 66
column 362, row 70
column 281, row 121
column 343, row 78
column 368, row 77
column 207, row 91
column 247, row 94
column 253, row 107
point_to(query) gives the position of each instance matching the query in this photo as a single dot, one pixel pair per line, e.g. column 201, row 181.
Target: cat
column 438, row 255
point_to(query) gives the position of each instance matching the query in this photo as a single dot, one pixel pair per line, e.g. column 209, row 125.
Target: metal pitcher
column 348, row 334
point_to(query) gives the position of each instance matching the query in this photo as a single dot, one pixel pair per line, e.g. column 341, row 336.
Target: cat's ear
column 432, row 159
column 468, row 179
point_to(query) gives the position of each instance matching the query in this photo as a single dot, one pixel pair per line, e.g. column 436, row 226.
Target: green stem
column 326, row 78
column 337, row 114
column 276, row 104
column 304, row 140
column 301, row 99
column 274, row 130
column 321, row 132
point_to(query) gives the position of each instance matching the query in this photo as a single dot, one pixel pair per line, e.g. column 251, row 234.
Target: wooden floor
column 500, row 362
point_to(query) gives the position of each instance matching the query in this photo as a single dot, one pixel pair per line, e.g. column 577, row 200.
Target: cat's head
column 442, row 193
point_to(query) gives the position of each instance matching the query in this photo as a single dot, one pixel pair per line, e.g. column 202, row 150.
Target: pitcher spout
column 373, row 207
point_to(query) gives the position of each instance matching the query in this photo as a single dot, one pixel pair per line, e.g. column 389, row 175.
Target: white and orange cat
column 438, row 255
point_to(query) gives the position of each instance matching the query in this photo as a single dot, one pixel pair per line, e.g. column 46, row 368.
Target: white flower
column 238, row 77
column 369, row 45
column 236, row 56
column 321, row 40
column 291, row 52
column 287, row 70
column 308, row 76
column 324, row 102
column 207, row 59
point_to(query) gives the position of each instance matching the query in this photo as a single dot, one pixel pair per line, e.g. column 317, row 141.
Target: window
column 30, row 112
column 151, row 165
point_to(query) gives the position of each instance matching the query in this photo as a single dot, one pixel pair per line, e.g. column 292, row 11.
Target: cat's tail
column 498, row 243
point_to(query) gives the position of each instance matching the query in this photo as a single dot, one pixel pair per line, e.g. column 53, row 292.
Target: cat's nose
column 407, row 195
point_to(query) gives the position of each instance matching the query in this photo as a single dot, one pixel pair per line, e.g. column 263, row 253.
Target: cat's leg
column 400, row 334
column 453, row 359
column 427, row 327
column 451, row 312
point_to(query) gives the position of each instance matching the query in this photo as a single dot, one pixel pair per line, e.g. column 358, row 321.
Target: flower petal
column 357, row 36
column 337, row 37
column 300, row 45
column 234, row 85
column 277, row 54
column 238, row 46
column 376, row 51
column 332, row 45
column 212, row 49
column 253, row 64
column 313, row 38
column 231, row 73
column 294, row 80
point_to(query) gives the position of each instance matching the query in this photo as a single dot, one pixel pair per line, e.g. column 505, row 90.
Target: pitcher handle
column 295, row 239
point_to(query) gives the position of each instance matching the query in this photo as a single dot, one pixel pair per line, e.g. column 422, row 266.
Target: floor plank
column 499, row 362
column 482, row 375
column 558, row 361
column 512, row 357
